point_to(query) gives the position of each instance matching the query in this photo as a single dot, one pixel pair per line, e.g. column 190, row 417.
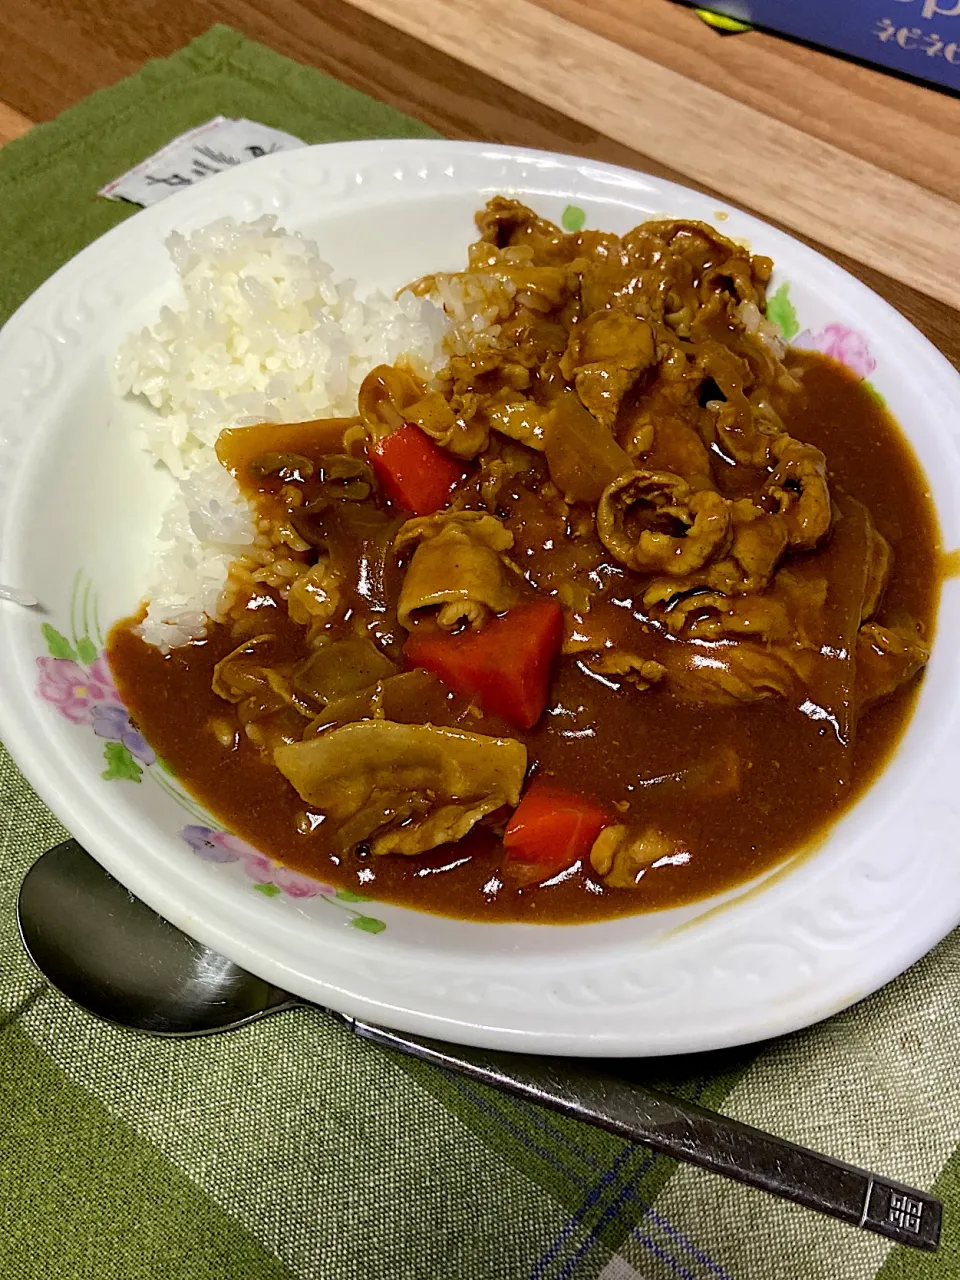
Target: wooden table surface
column 859, row 163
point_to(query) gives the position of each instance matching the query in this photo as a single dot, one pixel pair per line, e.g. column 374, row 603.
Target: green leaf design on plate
column 120, row 764
column 58, row 646
column 574, row 218
column 86, row 651
column 871, row 390
column 368, row 924
column 347, row 895
column 268, row 890
column 783, row 313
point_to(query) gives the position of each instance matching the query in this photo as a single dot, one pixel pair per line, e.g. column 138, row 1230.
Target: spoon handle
column 692, row 1134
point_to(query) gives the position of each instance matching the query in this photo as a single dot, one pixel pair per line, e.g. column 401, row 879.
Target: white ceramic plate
column 79, row 506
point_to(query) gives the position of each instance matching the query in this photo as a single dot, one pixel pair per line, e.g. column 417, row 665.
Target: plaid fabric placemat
column 291, row 1149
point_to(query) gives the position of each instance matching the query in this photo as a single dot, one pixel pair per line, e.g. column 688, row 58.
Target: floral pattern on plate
column 269, row 877
column 75, row 678
column 847, row 346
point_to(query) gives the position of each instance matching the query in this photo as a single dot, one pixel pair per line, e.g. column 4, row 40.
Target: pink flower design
column 102, row 676
column 295, row 885
column 259, row 867
column 235, row 845
column 848, row 346
column 73, row 691
column 217, row 846
column 221, row 846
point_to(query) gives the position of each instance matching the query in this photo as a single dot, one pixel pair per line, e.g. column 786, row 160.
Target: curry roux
column 649, row 753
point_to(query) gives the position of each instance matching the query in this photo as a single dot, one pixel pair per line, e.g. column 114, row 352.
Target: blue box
column 919, row 38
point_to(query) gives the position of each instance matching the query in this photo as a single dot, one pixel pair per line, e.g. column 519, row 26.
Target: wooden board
column 910, row 129
column 775, row 127
column 12, row 123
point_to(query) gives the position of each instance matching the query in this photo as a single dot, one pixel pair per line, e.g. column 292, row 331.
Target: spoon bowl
column 109, row 953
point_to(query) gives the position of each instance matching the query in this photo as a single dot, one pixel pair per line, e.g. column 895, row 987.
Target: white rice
column 264, row 334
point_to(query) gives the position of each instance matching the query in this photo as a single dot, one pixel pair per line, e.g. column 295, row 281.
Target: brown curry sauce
column 634, row 750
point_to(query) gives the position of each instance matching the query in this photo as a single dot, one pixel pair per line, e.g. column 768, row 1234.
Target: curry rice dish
column 620, row 608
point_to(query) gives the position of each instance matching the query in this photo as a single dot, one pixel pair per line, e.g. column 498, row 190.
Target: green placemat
column 291, row 1149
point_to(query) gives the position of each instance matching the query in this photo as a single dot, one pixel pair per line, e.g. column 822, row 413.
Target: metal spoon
column 119, row 960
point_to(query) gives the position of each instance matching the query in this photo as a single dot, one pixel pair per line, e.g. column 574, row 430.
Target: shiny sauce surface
column 649, row 755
